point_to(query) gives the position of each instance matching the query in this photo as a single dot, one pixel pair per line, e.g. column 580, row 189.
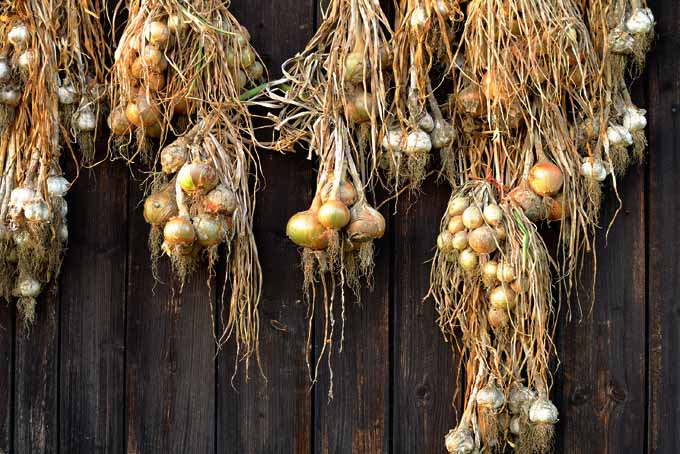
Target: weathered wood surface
column 119, row 364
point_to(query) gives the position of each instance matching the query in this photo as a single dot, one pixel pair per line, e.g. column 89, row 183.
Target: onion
column 528, row 201
column 346, row 192
column 472, row 217
column 241, row 79
column 142, row 112
column 442, row 135
column 305, row 230
column 334, row 214
column 505, row 272
column 545, row 178
column 458, row 205
column 197, row 176
column 84, row 120
column 5, row 70
column 492, row 89
column 640, row 21
column 366, row 223
column 160, row 207
column 210, row 230
column 57, row 186
column 247, row 57
column 154, row 59
column 27, row 287
column 37, row 211
column 19, row 36
column 221, row 200
column 500, row 232
column 174, row 156
column 490, row 397
column 619, row 136
column 520, row 285
column 498, row 318
column 180, row 106
column 460, row 240
column 179, row 231
column 359, row 108
column 493, row 215
column 153, row 130
column 354, row 67
column 490, row 270
column 155, row 81
column 634, row 119
column 502, row 297
column 157, row 33
column 468, row 259
column 445, row 241
column 482, row 240
column 137, row 69
column 459, row 441
column 255, row 71
column 176, row 24
column 543, row 411
column 470, row 101
column 10, row 96
column 455, row 225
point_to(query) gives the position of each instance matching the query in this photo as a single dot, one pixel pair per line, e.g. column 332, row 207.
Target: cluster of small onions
column 474, row 237
column 195, row 211
column 334, row 211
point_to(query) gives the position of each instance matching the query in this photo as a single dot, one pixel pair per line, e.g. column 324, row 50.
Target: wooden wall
column 118, row 363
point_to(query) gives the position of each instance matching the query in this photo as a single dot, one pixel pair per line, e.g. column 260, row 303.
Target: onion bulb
column 334, row 214
column 174, row 156
column 154, row 59
column 502, row 297
column 221, row 200
column 19, row 36
column 154, row 81
column 470, row 101
column 493, row 215
column 197, row 176
column 545, row 178
column 490, row 397
column 498, row 318
column 346, row 192
column 520, row 285
column 304, row 229
column 67, row 94
column 354, row 67
column 247, row 57
column 57, row 186
column 460, row 240
column 490, row 270
column 366, row 223
column 459, row 441
column 177, row 24
column 543, row 411
column 142, row 112
column 160, row 207
column 10, row 96
column 179, row 231
column 157, row 33
column 255, row 71
column 359, row 108
column 27, row 287
column 210, row 230
column 472, row 217
column 155, row 130
column 444, row 241
column 458, row 205
column 500, row 232
column 468, row 260
column 482, row 240
column 505, row 272
column 455, row 225
column 528, row 201
column 640, row 21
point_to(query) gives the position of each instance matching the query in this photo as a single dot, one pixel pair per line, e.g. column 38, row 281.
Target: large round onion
column 455, row 224
column 489, row 270
column 210, row 230
column 197, row 176
column 221, row 200
column 304, row 229
column 334, row 214
column 468, row 259
column 159, row 208
column 359, row 107
column 472, row 217
column 545, row 178
column 444, row 241
column 505, row 272
column 482, row 240
column 493, row 214
column 142, row 112
column 502, row 297
column 528, row 201
column 346, row 193
column 179, row 231
column 366, row 223
column 458, row 205
column 174, row 156
column 157, row 33
column 460, row 240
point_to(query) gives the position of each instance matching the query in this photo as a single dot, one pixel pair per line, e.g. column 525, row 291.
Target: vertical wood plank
column 170, row 349
column 92, row 369
column 601, row 380
column 36, row 382
column 424, row 368
column 273, row 416
column 664, row 244
column 6, row 374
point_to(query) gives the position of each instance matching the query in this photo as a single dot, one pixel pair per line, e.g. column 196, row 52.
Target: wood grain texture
column 601, row 379
column 170, row 354
column 424, row 368
column 92, row 370
column 6, row 374
column 663, row 92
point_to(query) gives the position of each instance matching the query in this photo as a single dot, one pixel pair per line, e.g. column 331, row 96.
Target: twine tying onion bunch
column 181, row 74
column 50, row 70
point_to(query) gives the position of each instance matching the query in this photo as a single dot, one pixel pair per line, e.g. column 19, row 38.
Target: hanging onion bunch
column 175, row 63
column 42, row 43
column 415, row 124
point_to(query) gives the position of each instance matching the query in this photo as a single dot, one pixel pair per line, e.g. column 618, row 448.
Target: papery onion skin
column 221, row 200
column 210, row 229
column 503, row 297
column 529, row 202
column 468, row 260
column 472, row 217
column 498, row 318
column 545, row 179
column 304, row 229
column 366, row 223
column 197, row 176
column 455, row 224
column 460, row 240
column 179, row 231
column 174, row 156
column 346, row 193
column 458, row 206
column 482, row 240
column 334, row 214
column 119, row 123
column 160, row 207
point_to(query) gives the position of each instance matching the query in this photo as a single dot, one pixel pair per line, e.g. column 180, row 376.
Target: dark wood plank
column 170, row 349
column 6, row 374
column 424, row 368
column 92, row 363
column 664, row 246
column 36, row 379
column 273, row 416
column 601, row 380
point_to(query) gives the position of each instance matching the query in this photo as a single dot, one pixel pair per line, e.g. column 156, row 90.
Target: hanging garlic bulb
column 543, row 411
column 62, row 233
column 621, row 41
column 27, row 287
column 634, row 119
column 640, row 21
column 26, row 60
column 19, row 36
column 593, row 169
column 459, row 441
column 419, row 18
column 67, row 94
column 84, row 119
column 21, row 196
column 37, row 211
column 619, row 136
column 426, row 122
column 520, row 398
column 5, row 70
column 490, row 397
column 515, row 425
column 442, row 135
column 57, row 186
column 10, row 96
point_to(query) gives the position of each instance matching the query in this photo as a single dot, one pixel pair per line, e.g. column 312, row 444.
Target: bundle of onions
column 45, row 48
column 333, row 98
column 178, row 86
column 415, row 124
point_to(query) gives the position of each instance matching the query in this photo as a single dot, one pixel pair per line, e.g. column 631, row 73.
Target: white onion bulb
column 19, row 36
column 543, row 411
column 634, row 119
column 57, row 186
column 493, row 214
column 619, row 136
column 641, row 21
